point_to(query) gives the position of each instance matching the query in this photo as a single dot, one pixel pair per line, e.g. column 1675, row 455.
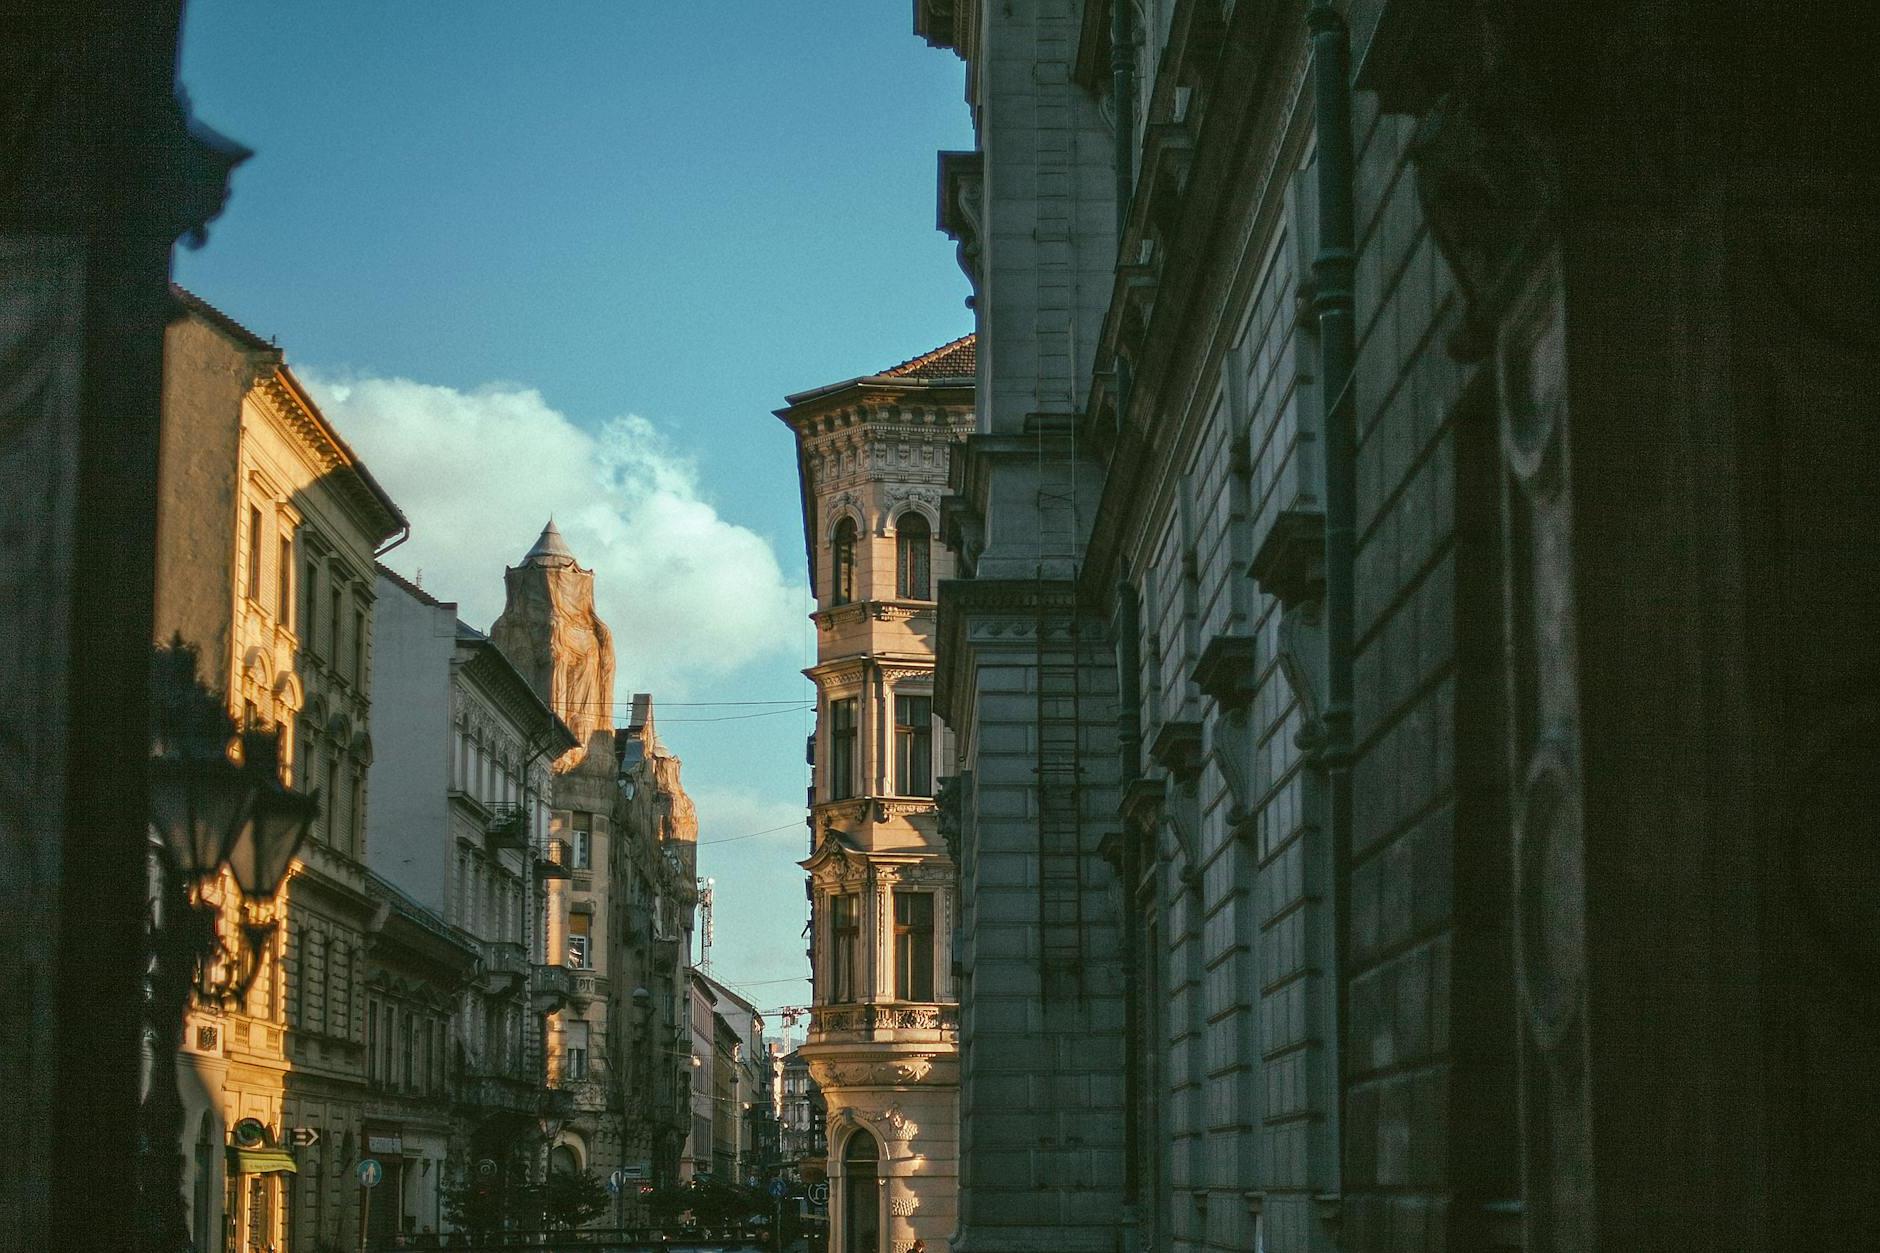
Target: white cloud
column 689, row 596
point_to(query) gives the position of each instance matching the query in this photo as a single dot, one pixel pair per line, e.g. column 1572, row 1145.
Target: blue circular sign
column 370, row 1172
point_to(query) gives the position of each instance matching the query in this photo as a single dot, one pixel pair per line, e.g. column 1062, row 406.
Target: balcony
column 502, row 1093
column 554, row 988
column 507, row 827
column 505, row 968
column 888, row 1022
column 555, row 864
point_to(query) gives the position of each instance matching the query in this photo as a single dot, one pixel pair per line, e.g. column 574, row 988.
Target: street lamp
column 216, row 801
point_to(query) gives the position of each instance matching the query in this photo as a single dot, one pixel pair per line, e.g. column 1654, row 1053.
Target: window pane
column 842, row 563
column 841, row 749
column 913, row 558
column 913, row 946
column 284, row 611
column 913, row 745
column 254, row 553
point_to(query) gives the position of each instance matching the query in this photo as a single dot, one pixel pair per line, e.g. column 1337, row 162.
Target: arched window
column 861, row 1194
column 842, row 563
column 913, row 550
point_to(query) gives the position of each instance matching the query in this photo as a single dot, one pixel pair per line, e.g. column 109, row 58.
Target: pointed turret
column 551, row 633
column 550, row 549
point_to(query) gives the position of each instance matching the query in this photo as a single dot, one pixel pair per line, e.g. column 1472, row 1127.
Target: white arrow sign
column 303, row 1137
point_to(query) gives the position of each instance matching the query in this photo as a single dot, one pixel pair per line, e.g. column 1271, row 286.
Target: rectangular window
column 913, row 946
column 330, row 801
column 309, row 604
column 845, row 948
column 372, row 1042
column 409, row 1045
column 575, row 1043
column 254, row 553
column 284, row 607
column 336, row 603
column 359, row 647
column 578, row 940
column 913, row 745
column 841, row 749
column 582, row 841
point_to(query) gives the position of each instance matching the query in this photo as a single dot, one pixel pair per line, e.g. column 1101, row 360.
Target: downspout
column 1332, row 302
column 1122, row 96
column 1129, row 750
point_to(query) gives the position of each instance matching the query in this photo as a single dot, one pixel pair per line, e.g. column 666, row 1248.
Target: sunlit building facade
column 872, row 456
column 268, row 529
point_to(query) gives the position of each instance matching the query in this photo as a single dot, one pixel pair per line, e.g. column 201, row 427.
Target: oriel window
column 841, row 749
column 842, row 563
column 913, row 745
column 913, row 946
column 845, row 948
column 913, row 549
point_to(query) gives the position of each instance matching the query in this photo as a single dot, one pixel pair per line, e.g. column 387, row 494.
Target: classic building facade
column 653, row 868
column 1365, row 630
column 551, row 633
column 268, row 528
column 464, row 754
column 872, row 458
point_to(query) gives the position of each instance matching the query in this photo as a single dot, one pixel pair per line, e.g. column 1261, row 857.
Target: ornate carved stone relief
column 1549, row 840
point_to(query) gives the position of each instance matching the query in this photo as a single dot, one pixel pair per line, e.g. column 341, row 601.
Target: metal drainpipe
column 1332, row 301
column 1122, row 94
column 1129, row 748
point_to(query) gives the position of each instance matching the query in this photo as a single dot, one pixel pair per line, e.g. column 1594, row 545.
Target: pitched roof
column 409, row 588
column 959, row 359
column 222, row 321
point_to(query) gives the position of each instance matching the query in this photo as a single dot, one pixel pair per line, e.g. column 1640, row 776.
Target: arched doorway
column 562, row 1160
column 861, row 1194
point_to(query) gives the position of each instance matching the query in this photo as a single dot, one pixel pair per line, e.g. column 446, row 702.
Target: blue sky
column 569, row 257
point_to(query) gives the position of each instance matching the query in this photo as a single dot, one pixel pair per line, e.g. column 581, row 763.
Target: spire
column 550, row 550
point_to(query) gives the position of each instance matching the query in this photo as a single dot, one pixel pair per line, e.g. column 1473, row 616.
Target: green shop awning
column 261, row 1161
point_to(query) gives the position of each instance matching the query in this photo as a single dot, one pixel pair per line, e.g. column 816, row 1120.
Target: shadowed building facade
column 872, row 457
column 1411, row 645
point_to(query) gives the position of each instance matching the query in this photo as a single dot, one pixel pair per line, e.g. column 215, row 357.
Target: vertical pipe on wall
column 1122, row 96
column 1332, row 271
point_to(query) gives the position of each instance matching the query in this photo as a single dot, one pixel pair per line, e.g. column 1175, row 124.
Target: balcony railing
column 554, row 987
column 554, row 862
column 510, row 1093
column 508, row 827
column 890, row 1020
column 505, row 966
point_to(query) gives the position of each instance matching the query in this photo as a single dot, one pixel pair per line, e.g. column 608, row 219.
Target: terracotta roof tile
column 959, row 359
